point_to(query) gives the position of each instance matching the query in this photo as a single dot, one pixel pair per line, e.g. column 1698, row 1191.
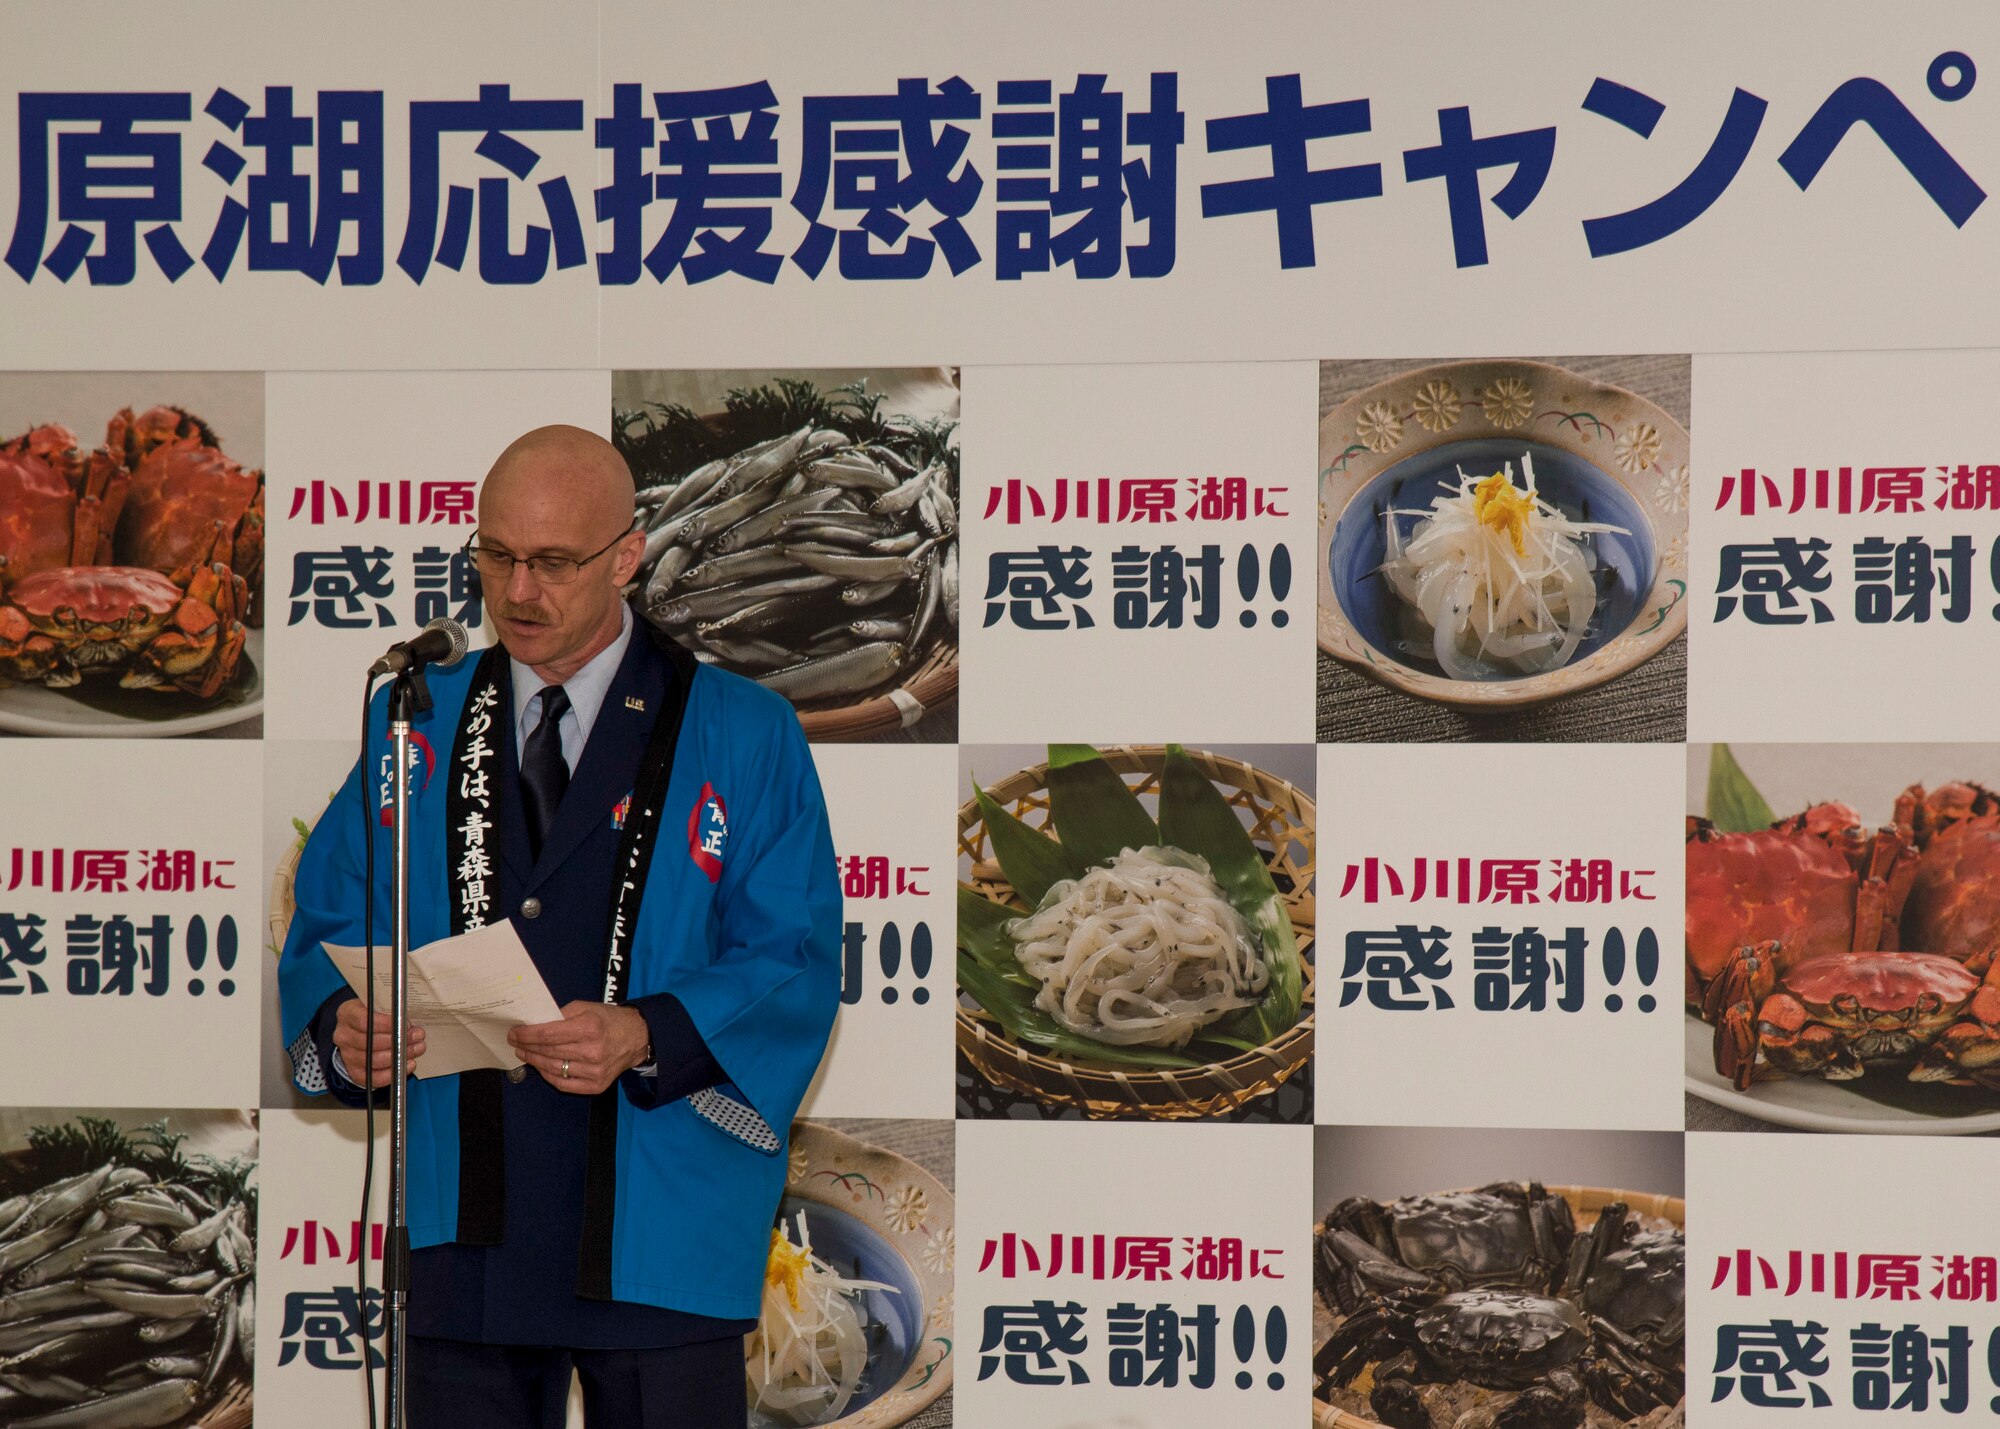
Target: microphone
column 442, row 642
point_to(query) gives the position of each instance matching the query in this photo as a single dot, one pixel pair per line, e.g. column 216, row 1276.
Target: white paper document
column 466, row 992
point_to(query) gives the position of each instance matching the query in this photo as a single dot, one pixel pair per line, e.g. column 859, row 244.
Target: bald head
column 565, row 493
column 578, row 468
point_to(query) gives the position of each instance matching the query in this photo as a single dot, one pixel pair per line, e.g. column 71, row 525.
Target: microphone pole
column 442, row 641
column 407, row 697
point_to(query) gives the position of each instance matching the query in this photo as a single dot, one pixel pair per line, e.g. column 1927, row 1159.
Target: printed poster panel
column 131, row 914
column 1648, row 177
column 134, row 500
column 1829, row 1293
column 892, row 1037
column 287, row 207
column 1838, row 531
column 374, row 497
column 1840, row 963
column 1137, row 550
column 1546, row 1268
column 1296, row 182
column 316, row 1330
column 1135, row 932
column 802, row 530
column 150, row 1216
column 1503, row 550
column 1510, row 912
column 1106, row 1271
column 868, row 1200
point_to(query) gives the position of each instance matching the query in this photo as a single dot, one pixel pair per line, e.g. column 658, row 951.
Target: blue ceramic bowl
column 891, row 1324
column 1581, row 491
column 1600, row 452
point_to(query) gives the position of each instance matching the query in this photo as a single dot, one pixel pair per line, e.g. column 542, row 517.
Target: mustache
column 510, row 611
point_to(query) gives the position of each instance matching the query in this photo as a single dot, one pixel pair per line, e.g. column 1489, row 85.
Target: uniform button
column 531, row 907
column 517, row 1074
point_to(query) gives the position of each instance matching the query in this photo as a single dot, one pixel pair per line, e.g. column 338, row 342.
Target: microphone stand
column 408, row 696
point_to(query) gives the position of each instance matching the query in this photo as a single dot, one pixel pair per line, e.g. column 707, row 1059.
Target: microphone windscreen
column 453, row 631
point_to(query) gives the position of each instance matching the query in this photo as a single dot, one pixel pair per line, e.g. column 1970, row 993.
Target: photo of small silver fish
column 801, row 538
column 126, row 1287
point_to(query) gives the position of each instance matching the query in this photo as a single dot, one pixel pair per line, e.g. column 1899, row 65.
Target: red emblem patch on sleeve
column 420, row 750
column 708, row 830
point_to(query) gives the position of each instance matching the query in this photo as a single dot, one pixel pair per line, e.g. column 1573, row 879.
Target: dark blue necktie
column 544, row 772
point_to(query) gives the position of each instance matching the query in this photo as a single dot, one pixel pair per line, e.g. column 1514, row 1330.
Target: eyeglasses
column 494, row 564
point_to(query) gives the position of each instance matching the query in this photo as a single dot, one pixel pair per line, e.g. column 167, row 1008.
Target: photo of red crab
column 58, row 504
column 138, row 563
column 1954, row 904
column 1818, row 882
column 60, row 625
column 1818, row 947
column 189, row 504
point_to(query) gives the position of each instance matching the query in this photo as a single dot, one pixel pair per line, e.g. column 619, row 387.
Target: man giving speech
column 654, row 829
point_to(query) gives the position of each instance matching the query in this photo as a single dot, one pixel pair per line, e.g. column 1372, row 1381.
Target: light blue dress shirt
column 586, row 688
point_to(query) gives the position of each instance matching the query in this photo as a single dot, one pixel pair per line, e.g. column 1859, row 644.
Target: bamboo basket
column 925, row 687
column 1586, row 1201
column 284, row 902
column 1282, row 824
column 232, row 1410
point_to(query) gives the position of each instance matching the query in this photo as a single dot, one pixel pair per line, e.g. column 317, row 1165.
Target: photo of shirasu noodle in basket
column 1113, row 934
column 1143, row 951
column 804, row 1361
column 1495, row 582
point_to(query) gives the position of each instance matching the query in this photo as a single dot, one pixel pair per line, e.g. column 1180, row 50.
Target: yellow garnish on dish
column 806, row 1357
column 787, row 1267
column 1494, row 581
column 1503, row 506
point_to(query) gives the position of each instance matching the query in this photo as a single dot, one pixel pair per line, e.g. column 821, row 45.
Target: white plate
column 36, row 709
column 1813, row 1104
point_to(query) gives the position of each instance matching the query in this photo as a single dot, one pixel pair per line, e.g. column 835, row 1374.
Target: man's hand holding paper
column 356, row 1048
column 592, row 1046
column 465, row 995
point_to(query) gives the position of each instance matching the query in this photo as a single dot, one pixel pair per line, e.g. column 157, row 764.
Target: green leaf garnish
column 1734, row 805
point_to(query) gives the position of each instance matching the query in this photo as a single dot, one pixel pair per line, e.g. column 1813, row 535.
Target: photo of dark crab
column 802, row 531
column 1513, row 1304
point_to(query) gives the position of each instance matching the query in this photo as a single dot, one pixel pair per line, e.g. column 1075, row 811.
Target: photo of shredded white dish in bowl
column 1496, row 535
column 1494, row 580
column 855, row 1325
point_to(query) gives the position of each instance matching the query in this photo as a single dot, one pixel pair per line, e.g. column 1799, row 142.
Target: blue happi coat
column 739, row 920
